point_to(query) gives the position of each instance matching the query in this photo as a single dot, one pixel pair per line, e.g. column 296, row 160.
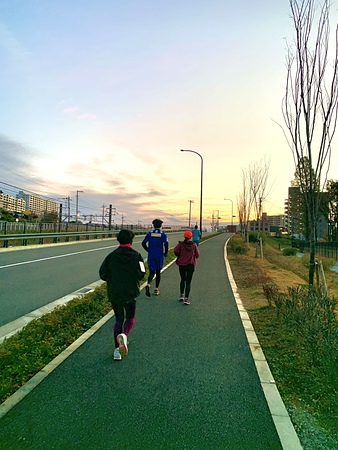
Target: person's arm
column 103, row 272
column 197, row 252
column 166, row 248
column 144, row 245
column 141, row 271
column 177, row 249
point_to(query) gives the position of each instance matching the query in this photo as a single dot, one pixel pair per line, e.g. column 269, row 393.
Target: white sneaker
column 117, row 355
column 123, row 346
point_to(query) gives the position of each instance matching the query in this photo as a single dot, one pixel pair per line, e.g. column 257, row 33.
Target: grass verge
column 299, row 339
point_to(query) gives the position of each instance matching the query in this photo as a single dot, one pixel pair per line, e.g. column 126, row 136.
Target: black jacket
column 122, row 271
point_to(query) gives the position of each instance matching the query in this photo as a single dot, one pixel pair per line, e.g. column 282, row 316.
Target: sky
column 100, row 96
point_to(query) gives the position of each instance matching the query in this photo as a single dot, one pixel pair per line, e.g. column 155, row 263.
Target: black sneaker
column 148, row 294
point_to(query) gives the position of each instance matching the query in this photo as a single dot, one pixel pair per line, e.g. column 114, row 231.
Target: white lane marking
column 55, row 257
column 60, row 256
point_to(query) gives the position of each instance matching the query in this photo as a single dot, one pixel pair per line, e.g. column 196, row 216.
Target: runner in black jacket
column 123, row 269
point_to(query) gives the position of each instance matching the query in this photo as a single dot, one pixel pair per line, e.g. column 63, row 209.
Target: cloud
column 75, row 111
column 118, row 178
column 71, row 110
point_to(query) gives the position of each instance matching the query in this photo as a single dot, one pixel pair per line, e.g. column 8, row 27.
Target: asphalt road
column 33, row 277
column 189, row 381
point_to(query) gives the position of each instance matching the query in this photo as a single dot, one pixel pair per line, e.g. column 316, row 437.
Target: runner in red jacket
column 187, row 252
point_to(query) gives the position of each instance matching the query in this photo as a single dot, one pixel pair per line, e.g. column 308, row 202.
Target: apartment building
column 267, row 223
column 37, row 205
column 12, row 204
column 260, row 225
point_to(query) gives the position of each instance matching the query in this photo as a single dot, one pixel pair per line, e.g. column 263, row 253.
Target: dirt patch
column 250, row 273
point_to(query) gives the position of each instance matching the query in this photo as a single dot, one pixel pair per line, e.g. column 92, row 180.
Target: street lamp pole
column 232, row 211
column 201, row 193
column 190, row 202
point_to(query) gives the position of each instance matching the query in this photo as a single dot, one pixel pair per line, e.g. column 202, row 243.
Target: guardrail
column 54, row 237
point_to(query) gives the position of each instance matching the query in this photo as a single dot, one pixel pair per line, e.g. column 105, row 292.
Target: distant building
column 12, row 204
column 277, row 221
column 295, row 213
column 260, row 225
column 268, row 224
column 37, row 205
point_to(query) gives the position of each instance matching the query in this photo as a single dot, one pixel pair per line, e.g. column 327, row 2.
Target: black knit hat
column 125, row 237
column 157, row 223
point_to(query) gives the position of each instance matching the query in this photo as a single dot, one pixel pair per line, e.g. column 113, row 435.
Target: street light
column 201, row 193
column 232, row 212
column 190, row 202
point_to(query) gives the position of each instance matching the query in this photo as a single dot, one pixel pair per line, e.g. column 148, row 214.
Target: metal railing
column 43, row 238
column 39, row 237
column 326, row 249
column 37, row 227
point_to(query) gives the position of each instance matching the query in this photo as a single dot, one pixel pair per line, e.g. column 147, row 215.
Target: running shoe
column 123, row 346
column 117, row 355
column 181, row 298
column 186, row 301
column 148, row 294
column 156, row 291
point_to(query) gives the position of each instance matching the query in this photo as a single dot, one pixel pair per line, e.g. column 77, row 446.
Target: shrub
column 237, row 246
column 289, row 251
column 310, row 315
column 270, row 292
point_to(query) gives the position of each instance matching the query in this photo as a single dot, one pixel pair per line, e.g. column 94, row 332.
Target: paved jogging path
column 189, row 381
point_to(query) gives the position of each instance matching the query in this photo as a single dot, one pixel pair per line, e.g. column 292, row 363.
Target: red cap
column 187, row 234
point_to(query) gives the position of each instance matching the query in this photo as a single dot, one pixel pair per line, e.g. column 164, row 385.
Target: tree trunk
column 312, row 262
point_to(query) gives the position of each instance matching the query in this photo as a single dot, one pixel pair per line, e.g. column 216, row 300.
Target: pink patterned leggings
column 124, row 319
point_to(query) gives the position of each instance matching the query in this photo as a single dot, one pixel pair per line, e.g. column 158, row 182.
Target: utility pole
column 67, row 202
column 190, row 202
column 103, row 209
column 77, row 206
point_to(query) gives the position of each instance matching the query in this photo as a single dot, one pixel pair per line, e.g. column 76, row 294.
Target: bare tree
column 310, row 104
column 254, row 192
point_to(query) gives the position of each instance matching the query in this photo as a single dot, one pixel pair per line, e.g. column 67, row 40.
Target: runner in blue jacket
column 196, row 235
column 157, row 245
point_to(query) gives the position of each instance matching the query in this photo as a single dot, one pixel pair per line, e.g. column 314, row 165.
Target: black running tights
column 186, row 273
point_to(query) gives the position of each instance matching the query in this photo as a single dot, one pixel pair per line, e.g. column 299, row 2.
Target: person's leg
column 159, row 265
column 118, row 326
column 158, row 278
column 150, row 278
column 130, row 309
column 183, row 275
column 152, row 269
column 189, row 273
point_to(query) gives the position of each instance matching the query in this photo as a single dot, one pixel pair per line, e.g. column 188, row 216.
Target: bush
column 270, row 292
column 237, row 246
column 289, row 251
column 253, row 236
column 310, row 314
